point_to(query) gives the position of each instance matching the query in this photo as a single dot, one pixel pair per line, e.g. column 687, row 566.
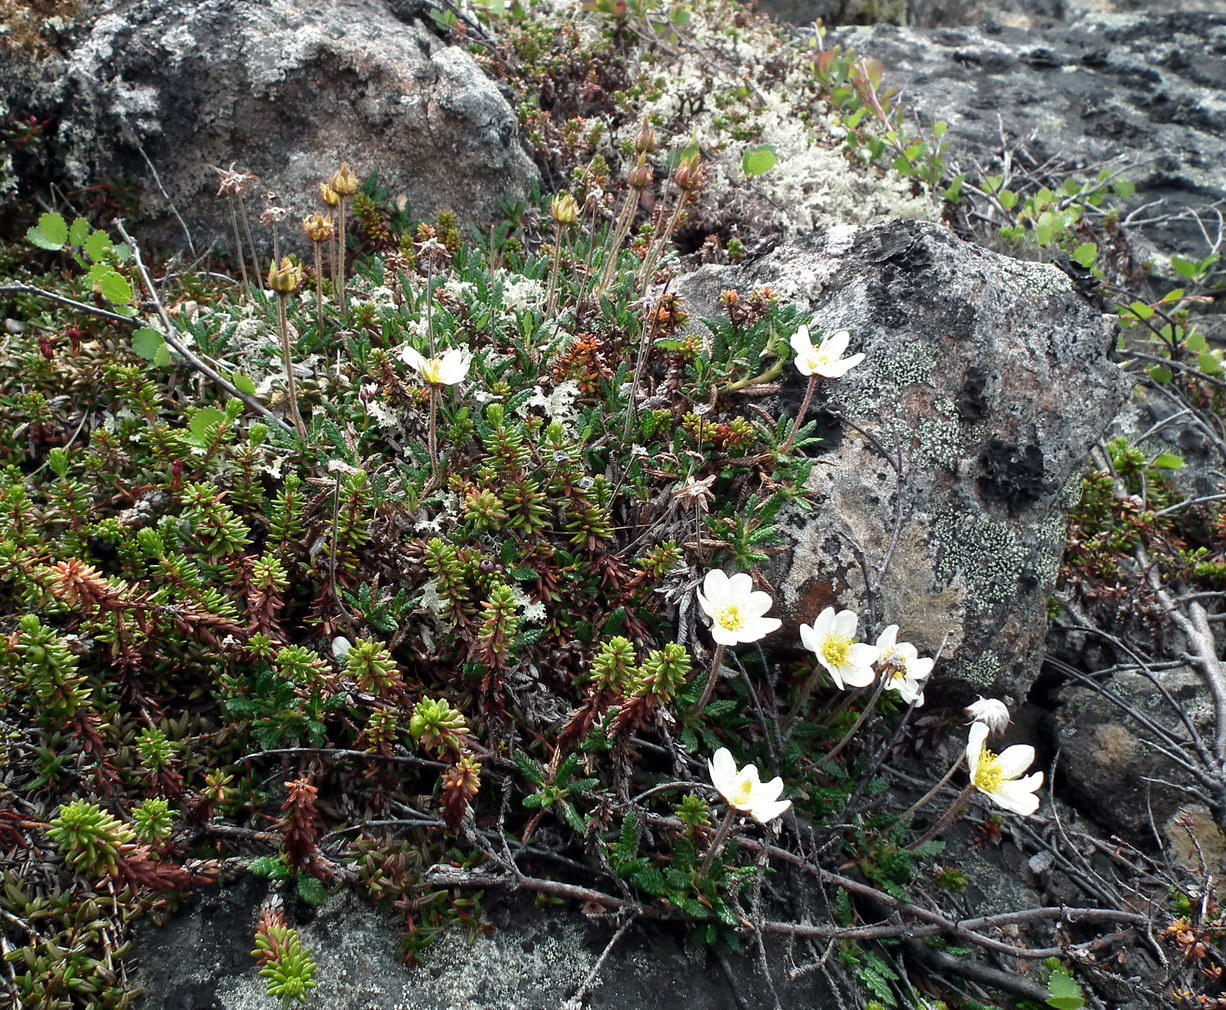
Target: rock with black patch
column 950, row 452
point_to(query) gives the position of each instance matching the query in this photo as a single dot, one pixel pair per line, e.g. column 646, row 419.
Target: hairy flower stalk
column 737, row 616
column 639, row 178
column 449, row 369
column 319, row 230
column 564, row 210
column 824, row 360
column 745, row 793
column 284, row 281
column 344, row 184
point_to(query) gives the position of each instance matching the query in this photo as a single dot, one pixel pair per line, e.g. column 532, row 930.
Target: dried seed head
column 564, row 209
column 645, row 139
column 689, row 174
column 343, row 181
column 317, row 228
column 232, row 182
column 284, row 279
column 328, row 195
column 641, row 176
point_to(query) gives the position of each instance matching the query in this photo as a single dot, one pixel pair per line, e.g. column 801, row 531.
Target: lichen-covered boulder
column 949, row 452
column 163, row 92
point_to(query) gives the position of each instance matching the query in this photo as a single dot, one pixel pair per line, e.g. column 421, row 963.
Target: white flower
column 992, row 713
column 447, row 370
column 833, row 638
column 998, row 776
column 735, row 608
column 826, row 359
column 904, row 670
column 744, row 791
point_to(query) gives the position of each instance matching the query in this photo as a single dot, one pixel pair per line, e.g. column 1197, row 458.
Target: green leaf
column 98, row 246
column 110, row 282
column 528, row 768
column 954, row 191
column 243, row 383
column 1161, row 374
column 204, row 424
column 1124, row 189
column 311, row 890
column 78, row 231
column 1065, row 992
column 1008, row 199
column 1183, row 267
column 51, row 232
column 265, row 866
column 1209, row 363
column 1085, row 254
column 1167, row 461
column 758, row 160
column 150, row 345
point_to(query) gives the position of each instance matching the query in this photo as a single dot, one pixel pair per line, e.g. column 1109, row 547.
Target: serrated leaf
column 528, row 768
column 524, row 574
column 1008, row 199
column 758, row 160
column 98, row 246
column 78, row 232
column 1065, row 993
column 204, row 423
column 1167, row 461
column 51, row 232
column 110, row 283
column 1085, row 254
column 312, row 891
column 243, row 383
column 264, row 866
column 150, row 345
column 1160, row 374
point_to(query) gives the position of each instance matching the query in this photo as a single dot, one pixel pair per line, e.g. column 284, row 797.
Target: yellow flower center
column 432, row 370
column 742, row 794
column 988, row 776
column 729, row 618
column 836, row 650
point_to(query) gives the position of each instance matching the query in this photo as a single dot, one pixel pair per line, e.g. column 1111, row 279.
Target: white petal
column 920, row 669
column 740, row 585
column 887, row 638
column 723, row 636
column 809, row 638
column 763, row 813
column 1021, row 796
column 801, row 343
column 836, row 344
column 824, row 622
column 863, row 655
column 975, row 740
column 1015, row 760
column 845, row 623
column 759, row 627
column 768, row 792
column 715, row 585
column 410, row 356
column 722, row 768
column 705, row 604
column 758, row 602
column 857, row 676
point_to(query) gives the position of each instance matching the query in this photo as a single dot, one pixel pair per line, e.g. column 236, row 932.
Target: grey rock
column 1142, row 89
column 163, row 92
column 988, row 379
column 1113, row 764
column 534, row 959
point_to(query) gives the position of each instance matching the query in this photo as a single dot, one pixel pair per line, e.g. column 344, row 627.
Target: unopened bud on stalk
column 284, row 279
column 343, row 181
column 689, row 174
column 645, row 139
column 564, row 209
column 641, row 176
column 328, row 195
column 318, row 228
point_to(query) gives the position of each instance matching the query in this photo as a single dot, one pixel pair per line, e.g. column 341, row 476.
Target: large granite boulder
column 950, row 451
column 164, row 92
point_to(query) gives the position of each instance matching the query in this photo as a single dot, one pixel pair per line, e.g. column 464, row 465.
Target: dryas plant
column 438, row 581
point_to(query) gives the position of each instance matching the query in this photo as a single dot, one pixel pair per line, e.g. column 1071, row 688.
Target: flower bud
column 564, row 209
column 641, row 176
column 992, row 713
column 689, row 174
column 328, row 195
column 318, row 228
column 343, row 181
column 284, row 279
column 645, row 139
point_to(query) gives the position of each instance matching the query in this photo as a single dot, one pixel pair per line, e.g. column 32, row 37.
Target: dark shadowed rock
column 985, row 380
column 1140, row 90
column 1115, row 765
column 534, row 959
column 286, row 91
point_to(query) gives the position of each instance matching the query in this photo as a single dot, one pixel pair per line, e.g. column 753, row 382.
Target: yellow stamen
column 744, row 791
column 729, row 618
column 988, row 777
column 836, row 650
